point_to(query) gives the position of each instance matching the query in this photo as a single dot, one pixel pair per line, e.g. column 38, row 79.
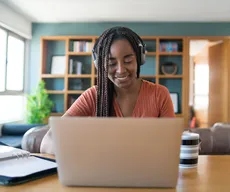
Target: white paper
column 174, row 98
column 58, row 65
column 6, row 152
column 24, row 166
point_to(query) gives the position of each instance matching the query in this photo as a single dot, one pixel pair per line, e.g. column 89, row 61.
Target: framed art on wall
column 174, row 97
column 58, row 65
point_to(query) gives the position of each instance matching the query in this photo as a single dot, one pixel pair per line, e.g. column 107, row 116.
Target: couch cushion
column 13, row 141
column 221, row 138
column 17, row 129
column 32, row 139
column 206, row 138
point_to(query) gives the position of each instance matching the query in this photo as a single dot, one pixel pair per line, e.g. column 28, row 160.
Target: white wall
column 191, row 80
column 15, row 22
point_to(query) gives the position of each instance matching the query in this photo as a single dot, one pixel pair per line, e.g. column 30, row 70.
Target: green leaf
column 39, row 105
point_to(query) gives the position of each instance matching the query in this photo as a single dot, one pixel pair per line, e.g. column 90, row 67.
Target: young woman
column 118, row 54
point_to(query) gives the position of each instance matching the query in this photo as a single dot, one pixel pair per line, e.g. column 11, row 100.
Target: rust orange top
column 153, row 101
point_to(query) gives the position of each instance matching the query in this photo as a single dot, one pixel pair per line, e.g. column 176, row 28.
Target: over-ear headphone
column 141, row 46
column 143, row 52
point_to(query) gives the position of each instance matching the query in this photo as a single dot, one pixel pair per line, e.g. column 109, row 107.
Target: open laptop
column 117, row 152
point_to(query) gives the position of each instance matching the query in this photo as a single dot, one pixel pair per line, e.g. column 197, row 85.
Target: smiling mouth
column 122, row 78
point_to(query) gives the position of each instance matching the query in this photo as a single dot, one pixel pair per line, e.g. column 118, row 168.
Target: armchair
column 32, row 139
column 12, row 134
column 214, row 140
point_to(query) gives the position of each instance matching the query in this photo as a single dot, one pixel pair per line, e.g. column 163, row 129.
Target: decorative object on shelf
column 58, row 65
column 39, row 106
column 174, row 97
column 169, row 68
column 169, row 47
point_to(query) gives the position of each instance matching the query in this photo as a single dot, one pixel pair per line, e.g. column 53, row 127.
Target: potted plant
column 39, row 106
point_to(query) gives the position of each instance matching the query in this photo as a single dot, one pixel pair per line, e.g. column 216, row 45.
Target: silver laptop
column 117, row 152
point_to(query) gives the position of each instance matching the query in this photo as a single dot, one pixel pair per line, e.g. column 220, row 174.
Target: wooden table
column 211, row 175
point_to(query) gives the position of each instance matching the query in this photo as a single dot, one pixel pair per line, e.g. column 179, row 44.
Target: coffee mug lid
column 190, row 136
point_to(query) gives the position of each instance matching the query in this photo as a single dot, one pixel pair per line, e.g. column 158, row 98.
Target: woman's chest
column 136, row 108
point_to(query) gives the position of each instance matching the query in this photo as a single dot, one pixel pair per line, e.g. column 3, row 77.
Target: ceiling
column 122, row 10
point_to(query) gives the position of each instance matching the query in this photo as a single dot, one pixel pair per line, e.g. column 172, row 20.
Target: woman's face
column 122, row 66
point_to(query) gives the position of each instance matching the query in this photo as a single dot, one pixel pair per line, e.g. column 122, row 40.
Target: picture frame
column 58, row 65
column 175, row 99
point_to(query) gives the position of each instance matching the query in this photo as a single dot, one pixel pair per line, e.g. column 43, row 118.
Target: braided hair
column 105, row 87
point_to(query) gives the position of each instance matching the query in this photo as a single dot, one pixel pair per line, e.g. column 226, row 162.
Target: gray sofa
column 12, row 134
column 214, row 140
column 32, row 139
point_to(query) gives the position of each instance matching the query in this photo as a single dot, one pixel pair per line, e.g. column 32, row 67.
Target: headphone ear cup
column 94, row 56
column 142, row 54
column 142, row 58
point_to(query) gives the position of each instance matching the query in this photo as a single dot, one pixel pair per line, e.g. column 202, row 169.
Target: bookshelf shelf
column 179, row 115
column 52, row 76
column 79, row 76
column 148, row 76
column 75, row 92
column 170, row 53
column 80, row 72
column 170, row 76
column 55, row 92
column 79, row 53
column 57, row 114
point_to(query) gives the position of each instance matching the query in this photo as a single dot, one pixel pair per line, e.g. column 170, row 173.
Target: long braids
column 105, row 88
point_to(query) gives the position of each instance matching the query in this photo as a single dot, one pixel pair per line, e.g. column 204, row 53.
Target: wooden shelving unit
column 65, row 88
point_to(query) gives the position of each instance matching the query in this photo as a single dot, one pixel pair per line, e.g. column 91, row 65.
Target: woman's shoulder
column 85, row 104
column 160, row 96
column 89, row 95
column 151, row 87
column 90, row 91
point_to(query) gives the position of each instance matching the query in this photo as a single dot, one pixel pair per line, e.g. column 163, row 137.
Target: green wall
column 142, row 28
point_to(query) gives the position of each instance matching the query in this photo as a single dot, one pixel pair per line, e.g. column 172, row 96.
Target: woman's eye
column 112, row 64
column 128, row 61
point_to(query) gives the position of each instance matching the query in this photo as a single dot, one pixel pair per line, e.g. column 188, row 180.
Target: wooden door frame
column 227, row 74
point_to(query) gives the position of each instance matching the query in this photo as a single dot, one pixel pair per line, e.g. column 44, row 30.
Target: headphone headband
column 141, row 46
column 121, row 31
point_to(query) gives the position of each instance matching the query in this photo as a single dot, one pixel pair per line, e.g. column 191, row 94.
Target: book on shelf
column 75, row 67
column 82, row 46
column 19, row 166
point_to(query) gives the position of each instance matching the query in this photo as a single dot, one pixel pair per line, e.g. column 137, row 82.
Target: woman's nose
column 121, row 68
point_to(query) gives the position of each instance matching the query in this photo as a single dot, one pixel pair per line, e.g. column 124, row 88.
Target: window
column 201, row 88
column 12, row 49
column 12, row 60
column 3, row 40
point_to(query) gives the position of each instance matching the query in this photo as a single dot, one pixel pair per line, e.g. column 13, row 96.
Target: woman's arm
column 85, row 105
column 47, row 142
